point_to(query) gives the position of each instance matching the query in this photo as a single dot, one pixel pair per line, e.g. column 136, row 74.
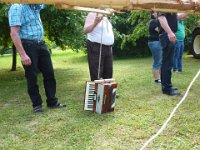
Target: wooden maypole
column 187, row 6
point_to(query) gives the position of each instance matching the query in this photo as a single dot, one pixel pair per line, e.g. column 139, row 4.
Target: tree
column 131, row 32
column 64, row 27
column 5, row 40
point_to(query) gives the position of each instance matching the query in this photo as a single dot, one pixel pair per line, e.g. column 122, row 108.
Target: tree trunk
column 14, row 58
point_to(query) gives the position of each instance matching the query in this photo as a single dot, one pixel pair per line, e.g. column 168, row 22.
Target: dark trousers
column 106, row 65
column 41, row 61
column 167, row 64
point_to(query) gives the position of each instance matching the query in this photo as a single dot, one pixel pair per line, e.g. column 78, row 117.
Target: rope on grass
column 171, row 115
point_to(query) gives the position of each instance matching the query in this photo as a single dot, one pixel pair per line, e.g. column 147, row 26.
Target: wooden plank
column 187, row 6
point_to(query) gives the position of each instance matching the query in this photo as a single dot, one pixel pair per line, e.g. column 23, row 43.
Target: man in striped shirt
column 27, row 36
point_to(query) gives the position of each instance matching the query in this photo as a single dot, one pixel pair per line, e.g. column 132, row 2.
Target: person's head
column 181, row 16
column 153, row 15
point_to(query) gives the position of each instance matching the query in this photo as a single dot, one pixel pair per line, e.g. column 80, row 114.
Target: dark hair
column 152, row 16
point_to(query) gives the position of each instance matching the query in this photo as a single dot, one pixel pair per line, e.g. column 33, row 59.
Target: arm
column 18, row 44
column 164, row 24
column 91, row 22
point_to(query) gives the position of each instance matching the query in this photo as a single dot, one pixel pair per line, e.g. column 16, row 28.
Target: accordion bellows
column 100, row 95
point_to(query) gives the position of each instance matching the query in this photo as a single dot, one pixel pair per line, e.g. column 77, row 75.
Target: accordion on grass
column 100, row 95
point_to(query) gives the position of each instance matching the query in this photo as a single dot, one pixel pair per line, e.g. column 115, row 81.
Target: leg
column 167, row 63
column 31, row 74
column 181, row 50
column 46, row 67
column 108, row 63
column 176, row 52
column 93, row 59
column 156, row 51
column 156, row 74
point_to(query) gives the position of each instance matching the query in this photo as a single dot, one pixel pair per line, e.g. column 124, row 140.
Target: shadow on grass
column 70, row 91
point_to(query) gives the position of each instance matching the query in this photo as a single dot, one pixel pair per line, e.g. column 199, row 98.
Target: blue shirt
column 27, row 16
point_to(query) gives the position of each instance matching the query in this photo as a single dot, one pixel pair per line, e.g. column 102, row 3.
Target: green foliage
column 5, row 40
column 191, row 22
column 64, row 27
column 139, row 20
column 131, row 31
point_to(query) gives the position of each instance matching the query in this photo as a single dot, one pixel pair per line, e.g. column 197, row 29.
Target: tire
column 195, row 47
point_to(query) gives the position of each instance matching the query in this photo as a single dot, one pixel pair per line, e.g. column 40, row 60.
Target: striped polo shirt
column 27, row 16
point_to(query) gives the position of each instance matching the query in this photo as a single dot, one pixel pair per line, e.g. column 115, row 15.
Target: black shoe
column 38, row 109
column 158, row 81
column 172, row 93
column 58, row 105
column 117, row 96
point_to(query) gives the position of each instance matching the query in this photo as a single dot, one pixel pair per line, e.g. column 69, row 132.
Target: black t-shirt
column 153, row 34
column 171, row 19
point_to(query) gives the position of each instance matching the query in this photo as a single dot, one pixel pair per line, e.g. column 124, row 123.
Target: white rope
column 171, row 115
column 101, row 44
column 99, row 69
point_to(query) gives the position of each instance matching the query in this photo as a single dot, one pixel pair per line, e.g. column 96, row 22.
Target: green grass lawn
column 140, row 110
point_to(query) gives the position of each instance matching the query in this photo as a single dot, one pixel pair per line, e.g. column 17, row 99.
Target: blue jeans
column 41, row 61
column 167, row 63
column 156, row 50
column 178, row 53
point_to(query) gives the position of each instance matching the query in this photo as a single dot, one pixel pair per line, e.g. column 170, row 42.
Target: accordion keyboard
column 89, row 95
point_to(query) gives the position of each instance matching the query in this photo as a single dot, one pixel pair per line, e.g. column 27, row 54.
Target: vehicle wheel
column 195, row 47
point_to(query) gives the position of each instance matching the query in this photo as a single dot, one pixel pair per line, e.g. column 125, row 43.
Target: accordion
column 100, row 95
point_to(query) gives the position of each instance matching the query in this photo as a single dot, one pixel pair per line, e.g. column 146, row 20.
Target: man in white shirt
column 100, row 39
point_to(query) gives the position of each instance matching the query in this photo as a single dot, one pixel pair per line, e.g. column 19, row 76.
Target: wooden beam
column 186, row 6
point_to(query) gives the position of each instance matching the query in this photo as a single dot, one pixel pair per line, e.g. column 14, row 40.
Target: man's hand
column 98, row 19
column 91, row 21
column 172, row 37
column 26, row 61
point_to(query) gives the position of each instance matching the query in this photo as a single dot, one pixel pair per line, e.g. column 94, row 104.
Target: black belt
column 36, row 42
column 99, row 43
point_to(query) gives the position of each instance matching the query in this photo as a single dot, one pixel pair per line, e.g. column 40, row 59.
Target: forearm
column 164, row 24
column 91, row 22
column 18, row 44
column 89, row 28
